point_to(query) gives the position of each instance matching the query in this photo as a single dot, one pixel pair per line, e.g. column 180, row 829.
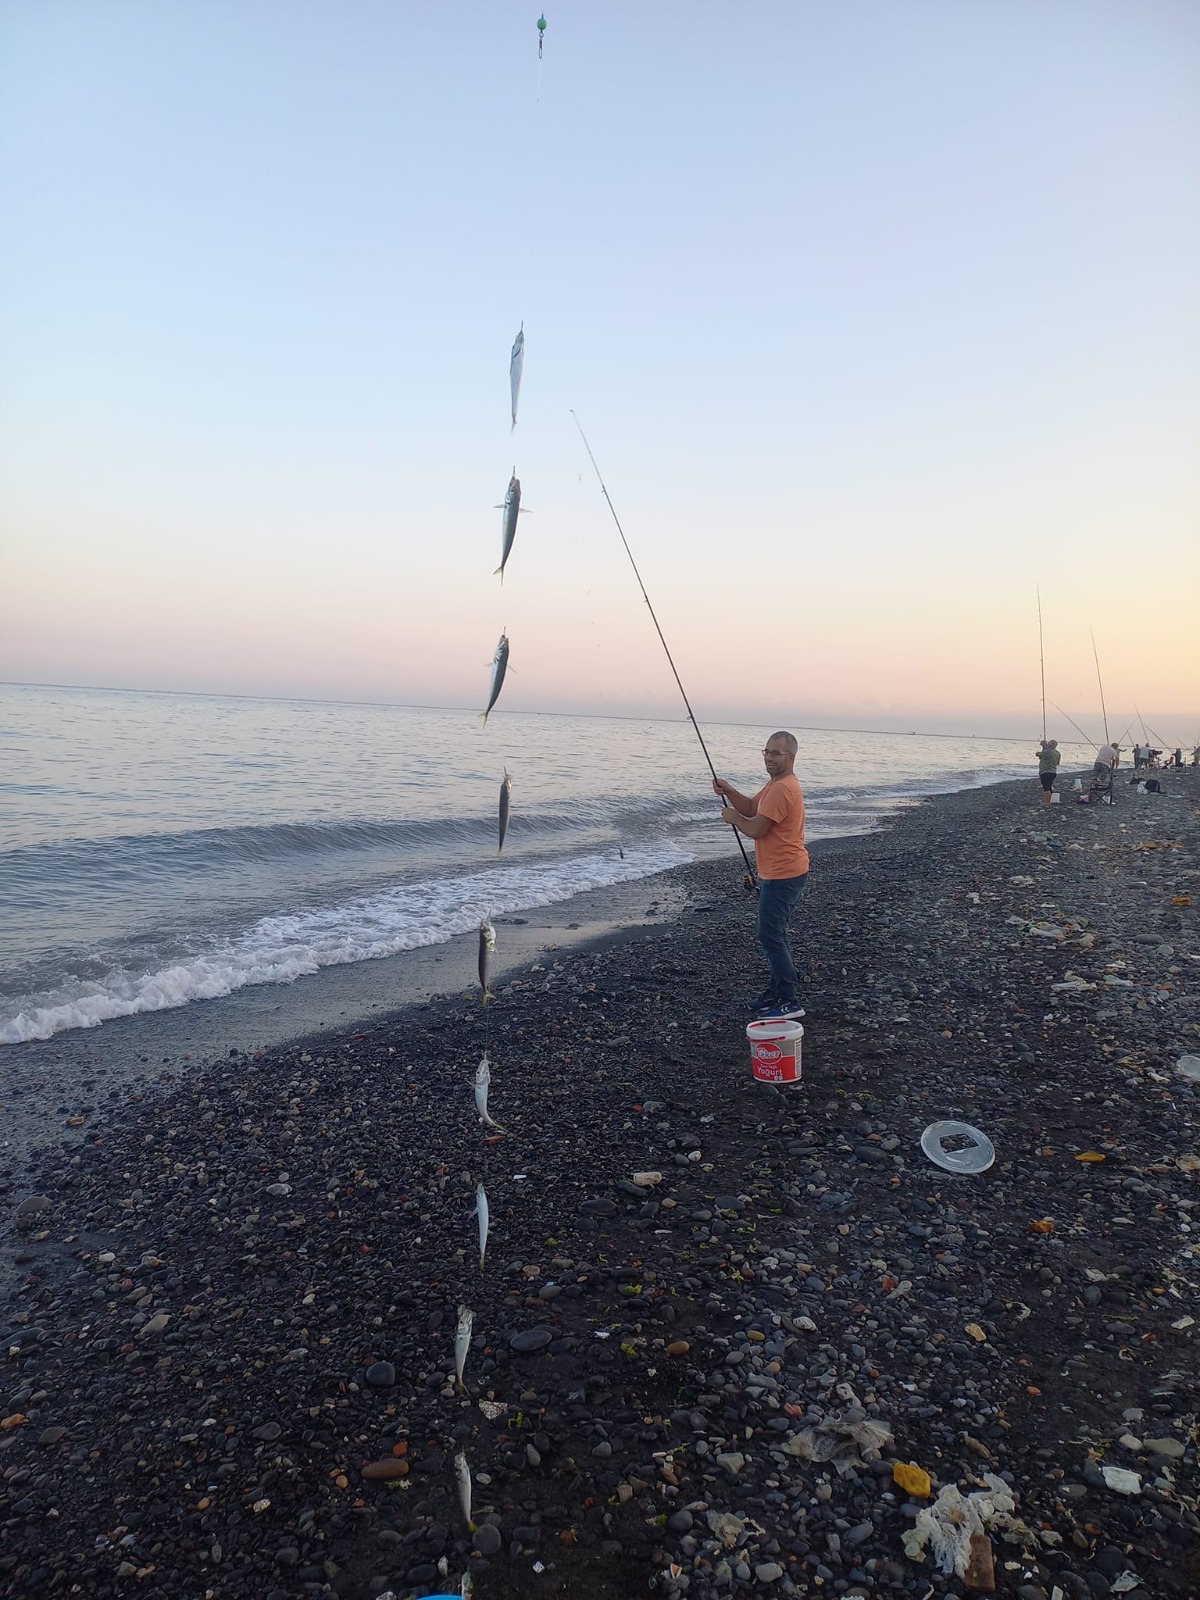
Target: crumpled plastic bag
column 947, row 1525
column 839, row 1439
column 726, row 1526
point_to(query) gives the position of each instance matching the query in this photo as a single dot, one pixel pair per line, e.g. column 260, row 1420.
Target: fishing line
column 751, row 881
column 1042, row 659
column 1100, row 681
column 1071, row 720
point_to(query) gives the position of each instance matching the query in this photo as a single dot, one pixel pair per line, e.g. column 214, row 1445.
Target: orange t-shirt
column 780, row 853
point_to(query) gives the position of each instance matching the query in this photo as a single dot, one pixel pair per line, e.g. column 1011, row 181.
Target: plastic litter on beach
column 975, row 1155
column 947, row 1525
column 840, row 1439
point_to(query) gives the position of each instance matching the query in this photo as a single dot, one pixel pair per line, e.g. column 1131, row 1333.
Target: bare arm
column 753, row 827
column 739, row 802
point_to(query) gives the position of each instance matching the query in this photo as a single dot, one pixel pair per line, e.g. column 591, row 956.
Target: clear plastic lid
column 958, row 1147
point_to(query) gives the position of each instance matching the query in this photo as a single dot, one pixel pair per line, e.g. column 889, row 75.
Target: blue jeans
column 777, row 899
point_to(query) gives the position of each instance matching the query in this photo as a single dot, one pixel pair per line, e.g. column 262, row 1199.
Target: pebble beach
column 728, row 1338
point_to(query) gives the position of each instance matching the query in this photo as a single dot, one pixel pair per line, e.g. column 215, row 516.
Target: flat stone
column 768, row 1571
column 1174, row 1448
column 52, row 1435
column 268, row 1432
column 529, row 1339
column 155, row 1325
column 488, row 1539
column 34, row 1204
column 383, row 1471
column 382, row 1375
column 598, row 1208
column 732, row 1460
column 679, row 1347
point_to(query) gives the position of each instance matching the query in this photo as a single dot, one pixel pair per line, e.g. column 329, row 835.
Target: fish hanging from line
column 462, row 1343
column 487, row 949
column 515, row 362
column 508, row 523
column 499, row 668
column 483, row 1081
column 505, row 807
column 462, row 1476
column 481, row 1211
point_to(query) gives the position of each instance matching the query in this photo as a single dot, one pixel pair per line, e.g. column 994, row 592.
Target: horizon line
column 615, row 716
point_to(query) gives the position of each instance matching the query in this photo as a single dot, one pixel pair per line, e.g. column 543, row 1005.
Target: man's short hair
column 788, row 741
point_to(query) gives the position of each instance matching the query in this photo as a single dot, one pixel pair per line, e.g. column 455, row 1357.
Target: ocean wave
column 201, row 850
column 286, row 946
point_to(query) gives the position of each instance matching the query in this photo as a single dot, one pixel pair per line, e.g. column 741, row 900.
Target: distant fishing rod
column 1042, row 660
column 751, row 882
column 1100, row 681
column 1087, row 736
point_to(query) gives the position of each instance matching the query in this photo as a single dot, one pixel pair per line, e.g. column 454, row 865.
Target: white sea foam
column 281, row 948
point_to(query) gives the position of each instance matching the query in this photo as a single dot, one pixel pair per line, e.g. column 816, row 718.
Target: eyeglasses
column 775, row 752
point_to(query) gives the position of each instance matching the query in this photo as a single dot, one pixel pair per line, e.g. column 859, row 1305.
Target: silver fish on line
column 508, row 522
column 505, row 807
column 483, row 1081
column 462, row 1476
column 462, row 1343
column 481, row 1211
column 499, row 668
column 487, row 949
column 515, row 362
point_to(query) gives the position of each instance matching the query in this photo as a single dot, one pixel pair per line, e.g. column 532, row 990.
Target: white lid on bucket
column 780, row 1028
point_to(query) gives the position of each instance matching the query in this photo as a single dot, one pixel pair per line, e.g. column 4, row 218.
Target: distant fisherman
column 1048, row 757
column 774, row 819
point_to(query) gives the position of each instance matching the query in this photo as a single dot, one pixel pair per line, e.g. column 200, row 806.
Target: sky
column 880, row 317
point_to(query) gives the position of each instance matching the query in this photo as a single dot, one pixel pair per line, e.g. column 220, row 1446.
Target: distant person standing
column 1196, row 756
column 1139, row 757
column 1048, row 757
column 1108, row 759
column 774, row 819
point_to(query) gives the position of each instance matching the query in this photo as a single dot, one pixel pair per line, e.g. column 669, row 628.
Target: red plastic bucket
column 775, row 1051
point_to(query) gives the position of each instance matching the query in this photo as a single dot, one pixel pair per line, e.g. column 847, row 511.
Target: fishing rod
column 1100, row 681
column 751, row 881
column 1087, row 736
column 1166, row 743
column 1042, row 659
column 1145, row 738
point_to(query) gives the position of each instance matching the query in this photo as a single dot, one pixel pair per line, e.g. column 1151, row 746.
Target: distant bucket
column 775, row 1051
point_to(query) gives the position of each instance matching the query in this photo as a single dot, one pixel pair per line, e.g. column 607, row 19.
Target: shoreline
column 241, row 1291
column 46, row 1082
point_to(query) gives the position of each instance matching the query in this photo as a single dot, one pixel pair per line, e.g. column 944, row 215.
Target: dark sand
column 222, row 1258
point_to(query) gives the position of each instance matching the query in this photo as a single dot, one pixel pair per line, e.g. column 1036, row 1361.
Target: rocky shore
column 229, row 1347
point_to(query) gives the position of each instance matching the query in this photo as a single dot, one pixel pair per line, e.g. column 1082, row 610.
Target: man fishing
column 774, row 819
column 1049, row 757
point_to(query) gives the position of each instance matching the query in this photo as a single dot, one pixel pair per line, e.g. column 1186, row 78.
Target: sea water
column 157, row 849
